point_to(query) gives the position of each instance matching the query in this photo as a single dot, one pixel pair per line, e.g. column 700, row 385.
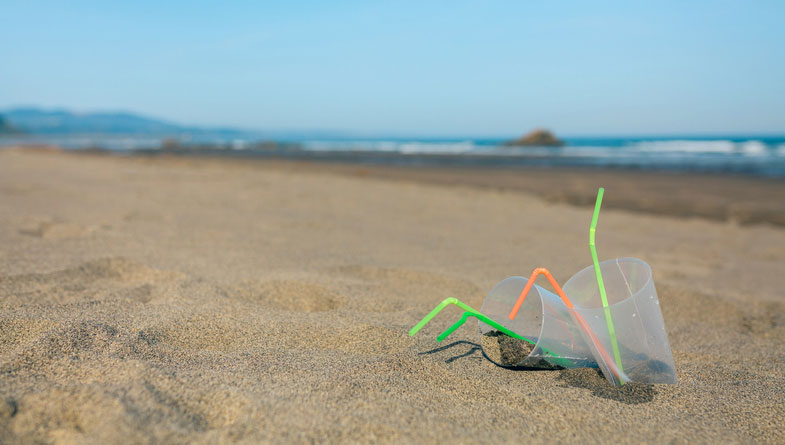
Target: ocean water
column 753, row 155
column 750, row 155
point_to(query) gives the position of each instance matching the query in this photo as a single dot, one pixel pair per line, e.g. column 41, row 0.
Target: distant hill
column 59, row 122
column 52, row 122
column 6, row 127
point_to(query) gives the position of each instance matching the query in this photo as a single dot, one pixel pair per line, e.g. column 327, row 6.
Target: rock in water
column 536, row 138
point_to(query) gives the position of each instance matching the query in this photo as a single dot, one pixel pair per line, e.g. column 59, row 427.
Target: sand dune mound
column 204, row 331
column 57, row 230
column 94, row 280
column 291, row 295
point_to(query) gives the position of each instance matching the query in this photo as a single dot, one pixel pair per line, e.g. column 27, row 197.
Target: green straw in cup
column 600, row 283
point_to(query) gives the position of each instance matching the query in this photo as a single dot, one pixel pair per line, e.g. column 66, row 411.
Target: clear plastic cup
column 644, row 352
column 552, row 337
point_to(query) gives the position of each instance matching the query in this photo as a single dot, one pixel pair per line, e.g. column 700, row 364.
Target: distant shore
column 749, row 155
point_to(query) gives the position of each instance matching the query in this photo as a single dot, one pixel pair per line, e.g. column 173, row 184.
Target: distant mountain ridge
column 6, row 127
column 33, row 120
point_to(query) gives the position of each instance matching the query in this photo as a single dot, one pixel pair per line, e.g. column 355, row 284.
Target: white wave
column 519, row 151
column 591, row 151
column 387, row 146
column 753, row 148
column 412, row 147
column 687, row 146
column 436, row 148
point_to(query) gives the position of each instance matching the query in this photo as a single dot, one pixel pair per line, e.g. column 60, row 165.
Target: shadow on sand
column 472, row 352
column 593, row 380
column 585, row 378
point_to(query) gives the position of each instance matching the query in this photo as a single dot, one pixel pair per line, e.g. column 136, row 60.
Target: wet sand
column 166, row 299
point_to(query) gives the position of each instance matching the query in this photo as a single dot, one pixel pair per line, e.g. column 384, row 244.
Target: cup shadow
column 474, row 348
column 585, row 378
column 593, row 380
column 472, row 352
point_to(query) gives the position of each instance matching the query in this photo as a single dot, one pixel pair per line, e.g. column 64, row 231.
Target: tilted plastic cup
column 642, row 353
column 552, row 337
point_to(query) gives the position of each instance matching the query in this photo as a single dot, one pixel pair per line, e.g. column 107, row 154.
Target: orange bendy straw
column 537, row 272
column 543, row 271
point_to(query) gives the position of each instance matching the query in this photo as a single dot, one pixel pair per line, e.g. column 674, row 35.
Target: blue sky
column 407, row 68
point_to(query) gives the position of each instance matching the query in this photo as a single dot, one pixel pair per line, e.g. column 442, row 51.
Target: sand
column 200, row 300
column 504, row 350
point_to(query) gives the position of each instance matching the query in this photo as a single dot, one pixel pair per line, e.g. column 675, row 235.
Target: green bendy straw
column 600, row 282
column 438, row 309
column 480, row 316
column 471, row 312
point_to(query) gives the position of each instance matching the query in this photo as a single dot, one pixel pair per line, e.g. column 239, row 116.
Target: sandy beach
column 193, row 300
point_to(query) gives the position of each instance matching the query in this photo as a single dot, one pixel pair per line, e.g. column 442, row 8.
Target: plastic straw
column 438, row 309
column 601, row 283
column 471, row 312
column 485, row 320
column 537, row 272
column 571, row 308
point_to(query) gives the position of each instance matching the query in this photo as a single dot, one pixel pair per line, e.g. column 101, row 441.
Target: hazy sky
column 407, row 68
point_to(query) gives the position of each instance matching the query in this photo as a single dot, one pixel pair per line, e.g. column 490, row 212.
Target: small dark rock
column 536, row 138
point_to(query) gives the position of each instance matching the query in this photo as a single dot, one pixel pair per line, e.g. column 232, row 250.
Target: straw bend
column 437, row 309
column 570, row 307
column 485, row 320
column 537, row 272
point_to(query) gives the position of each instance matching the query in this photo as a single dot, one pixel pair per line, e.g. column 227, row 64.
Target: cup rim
column 590, row 269
column 539, row 290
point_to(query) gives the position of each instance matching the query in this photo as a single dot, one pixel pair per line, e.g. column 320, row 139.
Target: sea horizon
column 751, row 154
